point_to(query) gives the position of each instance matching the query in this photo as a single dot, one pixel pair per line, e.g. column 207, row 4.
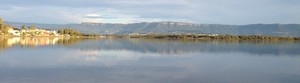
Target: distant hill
column 177, row 27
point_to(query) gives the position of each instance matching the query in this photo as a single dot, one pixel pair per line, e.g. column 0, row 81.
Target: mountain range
column 175, row 27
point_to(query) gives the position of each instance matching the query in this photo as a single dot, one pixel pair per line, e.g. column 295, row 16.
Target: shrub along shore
column 211, row 37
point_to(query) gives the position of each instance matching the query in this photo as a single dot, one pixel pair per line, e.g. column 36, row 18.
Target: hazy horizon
column 143, row 22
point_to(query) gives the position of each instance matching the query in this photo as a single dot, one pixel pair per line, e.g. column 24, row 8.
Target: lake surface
column 69, row 60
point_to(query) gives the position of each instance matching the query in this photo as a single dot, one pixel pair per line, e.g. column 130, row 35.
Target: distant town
column 7, row 30
column 32, row 32
column 25, row 31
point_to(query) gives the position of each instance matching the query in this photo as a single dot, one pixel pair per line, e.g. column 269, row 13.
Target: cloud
column 128, row 11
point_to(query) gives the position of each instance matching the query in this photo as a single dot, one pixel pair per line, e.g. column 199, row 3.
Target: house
column 52, row 32
column 39, row 32
column 14, row 32
column 213, row 35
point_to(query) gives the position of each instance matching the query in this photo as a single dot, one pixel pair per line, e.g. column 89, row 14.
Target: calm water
column 66, row 60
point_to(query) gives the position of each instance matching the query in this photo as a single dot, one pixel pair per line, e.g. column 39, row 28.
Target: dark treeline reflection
column 192, row 46
column 159, row 46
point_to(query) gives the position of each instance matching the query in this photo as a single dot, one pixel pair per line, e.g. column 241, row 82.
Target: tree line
column 207, row 36
column 73, row 32
column 4, row 27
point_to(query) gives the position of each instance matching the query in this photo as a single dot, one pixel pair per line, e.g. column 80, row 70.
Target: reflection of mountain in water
column 159, row 46
column 177, row 47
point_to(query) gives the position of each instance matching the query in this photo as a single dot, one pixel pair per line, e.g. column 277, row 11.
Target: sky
column 132, row 11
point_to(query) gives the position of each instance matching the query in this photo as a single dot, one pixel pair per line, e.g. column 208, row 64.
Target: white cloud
column 128, row 11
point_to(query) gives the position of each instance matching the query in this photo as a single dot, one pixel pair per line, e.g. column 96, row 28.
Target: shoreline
column 180, row 37
column 208, row 37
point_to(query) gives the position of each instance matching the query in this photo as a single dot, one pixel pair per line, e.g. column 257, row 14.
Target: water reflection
column 35, row 41
column 171, row 47
column 177, row 47
column 74, row 60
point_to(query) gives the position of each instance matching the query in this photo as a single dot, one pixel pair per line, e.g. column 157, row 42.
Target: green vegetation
column 212, row 37
column 1, row 21
column 254, row 37
column 68, row 31
column 23, row 27
column 4, row 28
column 31, row 27
column 73, row 32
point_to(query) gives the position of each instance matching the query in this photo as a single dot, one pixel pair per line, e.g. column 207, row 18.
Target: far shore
column 180, row 37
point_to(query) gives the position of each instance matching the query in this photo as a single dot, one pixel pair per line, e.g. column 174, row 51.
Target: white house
column 14, row 32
